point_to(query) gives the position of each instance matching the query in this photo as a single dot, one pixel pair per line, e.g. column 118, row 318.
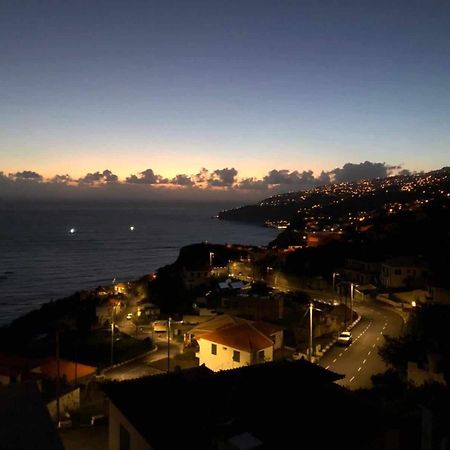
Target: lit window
column 236, row 356
column 213, row 349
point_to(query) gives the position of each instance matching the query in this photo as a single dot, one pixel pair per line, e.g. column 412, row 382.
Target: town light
column 413, row 304
column 132, row 228
column 72, row 230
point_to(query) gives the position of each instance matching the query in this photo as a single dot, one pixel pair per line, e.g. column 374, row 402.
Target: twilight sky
column 256, row 86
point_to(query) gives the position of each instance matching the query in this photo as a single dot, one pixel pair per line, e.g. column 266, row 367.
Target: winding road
column 360, row 360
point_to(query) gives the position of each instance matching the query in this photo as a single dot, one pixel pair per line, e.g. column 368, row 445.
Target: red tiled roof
column 243, row 336
column 14, row 364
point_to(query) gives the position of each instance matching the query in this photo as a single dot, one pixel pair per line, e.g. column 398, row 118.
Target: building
column 360, row 271
column 15, row 368
column 69, row 371
column 25, row 420
column 227, row 342
column 235, row 346
column 278, row 405
column 256, row 307
column 318, row 238
column 404, row 272
column 195, row 276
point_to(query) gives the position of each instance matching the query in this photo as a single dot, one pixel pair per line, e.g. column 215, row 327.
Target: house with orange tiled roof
column 233, row 342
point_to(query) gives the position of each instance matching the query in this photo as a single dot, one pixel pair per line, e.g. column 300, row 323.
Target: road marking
column 373, row 346
column 351, row 379
column 327, row 367
column 346, row 349
column 340, row 354
column 334, row 360
column 359, row 368
column 364, row 361
column 378, row 338
column 369, row 353
column 381, row 332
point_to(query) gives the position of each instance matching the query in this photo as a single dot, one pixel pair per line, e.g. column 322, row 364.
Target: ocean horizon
column 51, row 249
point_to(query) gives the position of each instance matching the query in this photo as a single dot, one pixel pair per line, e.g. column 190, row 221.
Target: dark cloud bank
column 220, row 184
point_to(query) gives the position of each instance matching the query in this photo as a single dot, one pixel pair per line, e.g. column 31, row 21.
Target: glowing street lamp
column 211, row 256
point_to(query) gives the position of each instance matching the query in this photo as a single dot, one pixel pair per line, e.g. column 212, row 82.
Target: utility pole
column 58, row 379
column 310, row 331
column 168, row 344
column 112, row 335
column 352, row 290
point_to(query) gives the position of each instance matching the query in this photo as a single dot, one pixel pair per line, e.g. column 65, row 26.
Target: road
column 360, row 360
column 141, row 366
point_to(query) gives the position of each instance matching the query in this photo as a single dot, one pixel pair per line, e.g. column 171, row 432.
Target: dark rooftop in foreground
column 25, row 423
column 278, row 404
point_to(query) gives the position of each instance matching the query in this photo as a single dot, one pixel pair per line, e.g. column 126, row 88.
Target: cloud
column 202, row 176
column 26, row 175
column 252, row 184
column 223, row 177
column 146, row 177
column 61, row 179
column 182, row 180
column 361, row 171
column 98, row 178
column 221, row 184
column 286, row 178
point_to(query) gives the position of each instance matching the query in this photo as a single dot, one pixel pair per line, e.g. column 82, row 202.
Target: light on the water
column 132, row 228
column 72, row 230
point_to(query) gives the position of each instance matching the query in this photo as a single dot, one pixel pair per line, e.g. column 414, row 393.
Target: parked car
column 99, row 419
column 65, row 421
column 345, row 338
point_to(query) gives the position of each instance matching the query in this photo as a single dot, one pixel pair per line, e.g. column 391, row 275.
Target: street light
column 211, row 255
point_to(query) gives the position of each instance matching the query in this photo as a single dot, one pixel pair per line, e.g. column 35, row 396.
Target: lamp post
column 211, row 256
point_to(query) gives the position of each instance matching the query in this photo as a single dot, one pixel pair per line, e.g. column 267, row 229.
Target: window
column 124, row 438
column 236, row 356
column 261, row 355
column 213, row 349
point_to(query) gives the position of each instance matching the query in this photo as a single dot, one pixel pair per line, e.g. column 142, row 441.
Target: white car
column 345, row 338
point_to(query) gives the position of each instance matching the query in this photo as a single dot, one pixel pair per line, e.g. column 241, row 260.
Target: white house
column 234, row 346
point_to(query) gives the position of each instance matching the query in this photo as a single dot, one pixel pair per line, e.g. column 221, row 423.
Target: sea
column 49, row 250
